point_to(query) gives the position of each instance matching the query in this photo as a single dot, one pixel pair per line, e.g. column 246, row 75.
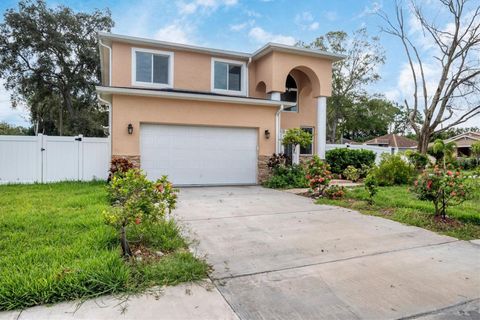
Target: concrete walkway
column 277, row 255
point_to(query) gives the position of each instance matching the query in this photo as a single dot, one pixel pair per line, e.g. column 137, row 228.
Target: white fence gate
column 378, row 150
column 26, row 159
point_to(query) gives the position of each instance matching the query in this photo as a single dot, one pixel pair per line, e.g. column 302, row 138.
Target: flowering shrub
column 334, row 192
column 351, row 173
column 318, row 175
column 135, row 200
column 444, row 188
column 371, row 185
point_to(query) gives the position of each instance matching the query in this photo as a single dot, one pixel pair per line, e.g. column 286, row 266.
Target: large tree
column 49, row 60
column 352, row 75
column 454, row 96
column 368, row 118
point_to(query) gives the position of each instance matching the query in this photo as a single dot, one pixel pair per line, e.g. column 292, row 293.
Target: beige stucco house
column 207, row 116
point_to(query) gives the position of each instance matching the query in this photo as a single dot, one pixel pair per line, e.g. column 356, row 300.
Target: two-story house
column 207, row 116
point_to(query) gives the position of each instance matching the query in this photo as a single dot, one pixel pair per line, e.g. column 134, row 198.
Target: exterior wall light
column 130, row 128
column 267, row 134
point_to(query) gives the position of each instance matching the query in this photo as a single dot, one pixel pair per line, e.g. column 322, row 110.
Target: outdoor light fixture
column 130, row 128
column 267, row 134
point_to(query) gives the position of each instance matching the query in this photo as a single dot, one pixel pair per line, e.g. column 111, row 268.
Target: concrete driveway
column 279, row 256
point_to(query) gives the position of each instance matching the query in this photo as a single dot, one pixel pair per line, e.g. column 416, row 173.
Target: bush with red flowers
column 135, row 200
column 334, row 192
column 318, row 176
column 445, row 188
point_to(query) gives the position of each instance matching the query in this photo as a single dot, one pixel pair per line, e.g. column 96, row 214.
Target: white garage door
column 195, row 155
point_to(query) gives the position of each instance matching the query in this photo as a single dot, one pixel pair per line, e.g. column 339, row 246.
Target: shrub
column 393, row 170
column 135, row 199
column 417, row 159
column 339, row 159
column 351, row 173
column 466, row 163
column 318, row 175
column 285, row 177
column 119, row 165
column 334, row 192
column 444, row 188
column 276, row 160
column 371, row 186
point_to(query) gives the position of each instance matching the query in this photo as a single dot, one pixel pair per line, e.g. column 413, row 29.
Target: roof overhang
column 190, row 96
column 270, row 47
column 108, row 38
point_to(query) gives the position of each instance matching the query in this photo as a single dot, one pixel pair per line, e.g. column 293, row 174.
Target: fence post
column 80, row 157
column 40, row 152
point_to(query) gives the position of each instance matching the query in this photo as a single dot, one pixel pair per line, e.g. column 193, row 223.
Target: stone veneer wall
column 263, row 171
column 133, row 159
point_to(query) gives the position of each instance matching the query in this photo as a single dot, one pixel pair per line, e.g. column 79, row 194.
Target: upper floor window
column 228, row 76
column 290, row 94
column 152, row 68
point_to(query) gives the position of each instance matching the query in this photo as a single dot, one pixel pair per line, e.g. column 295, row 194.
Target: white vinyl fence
column 27, row 159
column 378, row 150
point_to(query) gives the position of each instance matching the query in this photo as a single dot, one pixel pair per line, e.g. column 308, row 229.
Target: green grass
column 397, row 203
column 54, row 247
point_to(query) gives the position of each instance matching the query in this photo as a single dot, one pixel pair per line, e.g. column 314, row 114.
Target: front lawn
column 397, row 203
column 54, row 246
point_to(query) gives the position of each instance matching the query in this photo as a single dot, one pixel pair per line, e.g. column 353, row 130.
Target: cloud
column 306, row 21
column 188, row 8
column 238, row 27
column 370, row 9
column 330, row 15
column 177, row 32
column 259, row 35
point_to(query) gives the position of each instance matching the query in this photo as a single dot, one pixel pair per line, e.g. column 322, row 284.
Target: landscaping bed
column 397, row 203
column 55, row 246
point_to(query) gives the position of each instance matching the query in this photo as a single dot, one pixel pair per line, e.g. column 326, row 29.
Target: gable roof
column 393, row 140
column 109, row 37
column 467, row 135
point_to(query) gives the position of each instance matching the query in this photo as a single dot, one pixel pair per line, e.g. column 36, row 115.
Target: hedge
column 339, row 159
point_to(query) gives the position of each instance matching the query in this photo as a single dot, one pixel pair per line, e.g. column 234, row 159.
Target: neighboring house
column 464, row 142
column 207, row 116
column 399, row 143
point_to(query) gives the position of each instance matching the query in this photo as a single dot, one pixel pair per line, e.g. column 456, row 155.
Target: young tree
column 444, row 151
column 50, row 62
column 297, row 137
column 455, row 97
column 351, row 75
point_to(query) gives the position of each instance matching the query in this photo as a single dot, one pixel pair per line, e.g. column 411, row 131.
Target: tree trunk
column 60, row 121
column 124, row 242
column 423, row 141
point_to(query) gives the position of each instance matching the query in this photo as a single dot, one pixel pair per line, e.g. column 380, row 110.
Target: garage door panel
column 194, row 155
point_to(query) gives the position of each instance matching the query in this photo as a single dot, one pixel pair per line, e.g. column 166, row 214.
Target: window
column 152, row 68
column 290, row 94
column 228, row 76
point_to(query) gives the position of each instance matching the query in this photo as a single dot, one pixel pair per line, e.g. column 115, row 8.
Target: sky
column 246, row 25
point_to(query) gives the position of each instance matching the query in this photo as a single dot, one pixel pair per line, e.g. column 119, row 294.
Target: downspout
column 109, row 104
column 109, row 61
column 277, row 128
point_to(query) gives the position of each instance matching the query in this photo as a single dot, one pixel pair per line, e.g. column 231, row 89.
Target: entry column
column 321, row 127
